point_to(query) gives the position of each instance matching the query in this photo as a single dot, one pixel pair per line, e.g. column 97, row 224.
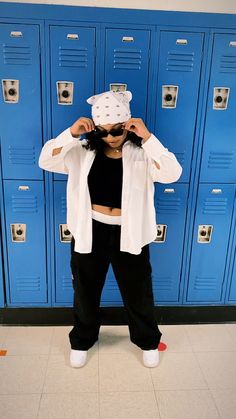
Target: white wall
column 211, row 6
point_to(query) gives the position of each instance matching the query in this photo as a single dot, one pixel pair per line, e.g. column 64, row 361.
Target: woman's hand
column 137, row 126
column 81, row 126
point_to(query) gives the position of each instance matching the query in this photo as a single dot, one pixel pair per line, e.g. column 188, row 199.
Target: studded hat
column 110, row 107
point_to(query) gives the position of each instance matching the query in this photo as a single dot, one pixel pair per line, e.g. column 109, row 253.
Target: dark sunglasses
column 115, row 132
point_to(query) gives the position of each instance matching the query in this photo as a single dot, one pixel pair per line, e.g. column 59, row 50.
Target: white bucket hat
column 110, row 107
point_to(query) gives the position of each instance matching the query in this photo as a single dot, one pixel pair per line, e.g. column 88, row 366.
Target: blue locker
column 180, row 56
column 210, row 243
column 1, row 281
column 62, row 238
column 166, row 251
column 72, row 52
column 20, row 101
column 219, row 150
column 26, row 244
column 127, row 63
column 232, row 293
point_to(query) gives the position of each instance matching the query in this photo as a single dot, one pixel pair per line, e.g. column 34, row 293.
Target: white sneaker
column 151, row 358
column 77, row 358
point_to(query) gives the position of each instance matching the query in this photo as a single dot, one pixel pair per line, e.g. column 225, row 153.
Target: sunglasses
column 115, row 132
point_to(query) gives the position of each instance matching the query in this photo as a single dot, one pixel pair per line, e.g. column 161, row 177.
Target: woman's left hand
column 137, row 126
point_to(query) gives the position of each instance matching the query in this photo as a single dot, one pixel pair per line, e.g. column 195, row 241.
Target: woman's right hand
column 81, row 126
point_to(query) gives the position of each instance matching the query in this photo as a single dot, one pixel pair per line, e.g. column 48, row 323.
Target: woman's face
column 111, row 141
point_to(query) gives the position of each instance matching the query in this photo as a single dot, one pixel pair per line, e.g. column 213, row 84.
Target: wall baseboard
column 63, row 316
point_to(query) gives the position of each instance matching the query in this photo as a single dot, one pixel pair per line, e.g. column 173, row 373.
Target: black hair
column 96, row 143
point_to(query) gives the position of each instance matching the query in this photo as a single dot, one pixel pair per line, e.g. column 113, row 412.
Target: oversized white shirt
column 138, row 215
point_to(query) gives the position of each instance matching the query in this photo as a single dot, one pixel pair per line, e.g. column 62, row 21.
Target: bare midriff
column 106, row 210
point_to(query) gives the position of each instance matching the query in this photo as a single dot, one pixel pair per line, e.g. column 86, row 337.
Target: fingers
column 83, row 125
column 131, row 124
column 87, row 123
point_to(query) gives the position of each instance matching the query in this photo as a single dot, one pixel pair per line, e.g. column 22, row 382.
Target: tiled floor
column 196, row 377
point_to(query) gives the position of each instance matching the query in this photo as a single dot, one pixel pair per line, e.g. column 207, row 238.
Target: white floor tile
column 123, row 372
column 114, row 339
column 219, row 368
column 62, row 378
column 22, row 374
column 176, row 338
column 69, row 406
column 225, row 401
column 132, row 405
column 4, row 330
column 185, row 404
column 28, row 340
column 231, row 328
column 178, row 371
column 60, row 342
column 23, row 406
column 210, row 337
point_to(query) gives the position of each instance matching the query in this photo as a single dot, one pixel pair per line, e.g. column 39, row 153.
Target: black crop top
column 105, row 181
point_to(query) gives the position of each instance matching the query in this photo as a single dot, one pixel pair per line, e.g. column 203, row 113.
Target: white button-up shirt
column 138, row 215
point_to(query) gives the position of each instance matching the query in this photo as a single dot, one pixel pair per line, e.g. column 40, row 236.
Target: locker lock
column 118, row 87
column 220, row 98
column 169, row 96
column 65, row 234
column 204, row 233
column 10, row 91
column 65, row 92
column 161, row 233
column 18, row 232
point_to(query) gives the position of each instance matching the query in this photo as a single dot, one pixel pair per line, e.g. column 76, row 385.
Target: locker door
column 219, row 149
column 63, row 283
column 166, row 251
column 179, row 72
column 26, row 244
column 232, row 294
column 72, row 51
column 1, row 279
column 20, row 101
column 210, row 242
column 127, row 63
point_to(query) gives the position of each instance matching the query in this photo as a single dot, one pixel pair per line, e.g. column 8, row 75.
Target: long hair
column 96, row 143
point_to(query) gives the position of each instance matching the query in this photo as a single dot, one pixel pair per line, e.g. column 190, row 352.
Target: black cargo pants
column 133, row 275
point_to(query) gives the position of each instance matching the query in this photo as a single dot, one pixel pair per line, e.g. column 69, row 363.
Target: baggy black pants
column 133, row 275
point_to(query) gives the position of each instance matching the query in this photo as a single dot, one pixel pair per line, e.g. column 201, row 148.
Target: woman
column 111, row 216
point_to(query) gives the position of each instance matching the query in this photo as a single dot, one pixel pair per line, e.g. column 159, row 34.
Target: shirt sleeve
column 170, row 169
column 57, row 163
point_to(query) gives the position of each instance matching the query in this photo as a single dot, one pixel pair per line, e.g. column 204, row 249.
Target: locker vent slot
column 228, row 64
column 163, row 284
column 204, row 284
column 66, row 283
column 215, row 206
column 63, row 205
column 127, row 59
column 168, row 206
column 24, row 204
column 29, row 283
column 180, row 62
column 220, row 160
column 22, row 155
column 73, row 57
column 16, row 55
